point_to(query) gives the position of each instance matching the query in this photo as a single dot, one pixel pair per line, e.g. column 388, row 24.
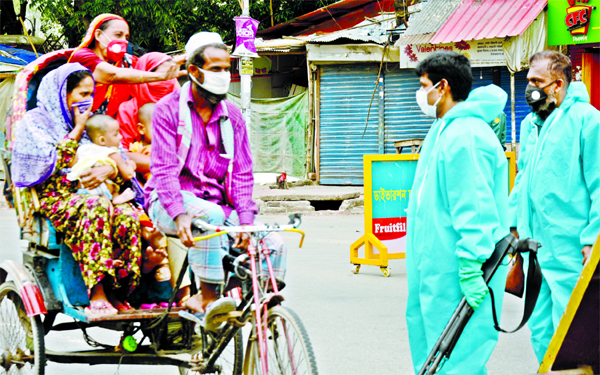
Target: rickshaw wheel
column 21, row 337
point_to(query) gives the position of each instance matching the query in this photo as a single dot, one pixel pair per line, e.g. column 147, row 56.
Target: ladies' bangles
column 141, row 78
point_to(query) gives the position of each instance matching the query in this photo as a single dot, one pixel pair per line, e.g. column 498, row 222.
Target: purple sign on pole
column 245, row 33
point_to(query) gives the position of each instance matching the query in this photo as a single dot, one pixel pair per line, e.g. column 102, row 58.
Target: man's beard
column 545, row 109
column 210, row 97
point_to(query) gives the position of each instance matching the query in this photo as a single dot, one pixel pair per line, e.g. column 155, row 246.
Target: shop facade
column 576, row 24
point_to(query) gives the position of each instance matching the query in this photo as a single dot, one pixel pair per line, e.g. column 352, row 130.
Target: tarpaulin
column 278, row 134
column 16, row 56
column 519, row 49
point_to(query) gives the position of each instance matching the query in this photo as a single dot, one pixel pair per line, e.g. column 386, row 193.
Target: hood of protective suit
column 483, row 102
column 576, row 92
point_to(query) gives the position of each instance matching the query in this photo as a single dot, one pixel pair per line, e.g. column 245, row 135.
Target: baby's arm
column 127, row 170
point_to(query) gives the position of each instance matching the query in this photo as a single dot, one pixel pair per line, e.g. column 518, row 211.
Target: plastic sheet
column 278, row 134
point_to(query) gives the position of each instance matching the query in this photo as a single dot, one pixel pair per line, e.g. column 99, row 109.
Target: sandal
column 148, row 306
column 100, row 308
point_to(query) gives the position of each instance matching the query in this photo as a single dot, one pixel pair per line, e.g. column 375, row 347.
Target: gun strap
column 534, row 283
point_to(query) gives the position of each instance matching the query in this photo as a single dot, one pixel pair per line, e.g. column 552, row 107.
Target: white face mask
column 217, row 83
column 428, row 110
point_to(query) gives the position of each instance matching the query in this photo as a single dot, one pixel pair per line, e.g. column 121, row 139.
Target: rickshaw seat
column 61, row 268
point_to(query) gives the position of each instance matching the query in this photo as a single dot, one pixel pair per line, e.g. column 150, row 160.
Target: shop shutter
column 522, row 109
column 345, row 93
column 403, row 117
column 482, row 77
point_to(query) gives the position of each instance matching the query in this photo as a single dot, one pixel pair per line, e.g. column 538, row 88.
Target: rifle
column 447, row 341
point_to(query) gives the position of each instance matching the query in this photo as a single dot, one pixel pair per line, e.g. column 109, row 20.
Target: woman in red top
column 142, row 94
column 103, row 52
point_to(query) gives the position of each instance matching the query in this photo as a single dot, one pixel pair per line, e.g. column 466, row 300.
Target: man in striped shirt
column 197, row 182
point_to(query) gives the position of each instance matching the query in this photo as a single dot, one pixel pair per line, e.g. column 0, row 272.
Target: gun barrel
column 451, row 333
column 437, row 351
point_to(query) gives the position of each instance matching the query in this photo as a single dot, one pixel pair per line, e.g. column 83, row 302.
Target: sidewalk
column 316, row 199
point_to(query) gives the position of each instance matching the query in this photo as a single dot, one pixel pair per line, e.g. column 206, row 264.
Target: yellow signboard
column 388, row 183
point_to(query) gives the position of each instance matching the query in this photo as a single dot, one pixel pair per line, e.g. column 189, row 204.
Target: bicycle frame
column 256, row 247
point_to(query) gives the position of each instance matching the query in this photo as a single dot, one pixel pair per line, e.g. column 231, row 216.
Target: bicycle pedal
column 189, row 316
column 232, row 315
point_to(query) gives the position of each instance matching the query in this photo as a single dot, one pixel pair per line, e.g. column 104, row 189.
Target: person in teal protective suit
column 457, row 213
column 556, row 199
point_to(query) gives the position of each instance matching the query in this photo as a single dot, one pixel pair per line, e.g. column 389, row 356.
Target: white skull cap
column 201, row 39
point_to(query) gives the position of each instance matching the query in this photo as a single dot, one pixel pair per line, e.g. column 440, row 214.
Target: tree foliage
column 165, row 25
column 9, row 19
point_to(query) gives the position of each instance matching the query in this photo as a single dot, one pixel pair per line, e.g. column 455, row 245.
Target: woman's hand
column 179, row 61
column 81, row 117
column 79, row 120
column 172, row 72
column 92, row 178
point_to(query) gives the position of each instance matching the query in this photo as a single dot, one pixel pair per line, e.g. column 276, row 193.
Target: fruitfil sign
column 388, row 183
column 573, row 22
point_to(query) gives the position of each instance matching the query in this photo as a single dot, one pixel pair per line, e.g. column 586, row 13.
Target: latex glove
column 471, row 281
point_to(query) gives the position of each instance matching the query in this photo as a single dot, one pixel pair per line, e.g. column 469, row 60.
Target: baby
column 103, row 131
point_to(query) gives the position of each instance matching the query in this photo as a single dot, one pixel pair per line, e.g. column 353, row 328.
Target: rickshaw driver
column 196, row 133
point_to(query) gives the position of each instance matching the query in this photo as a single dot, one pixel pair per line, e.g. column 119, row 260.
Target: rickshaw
column 49, row 282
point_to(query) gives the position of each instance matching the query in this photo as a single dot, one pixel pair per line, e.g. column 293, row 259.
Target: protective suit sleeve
column 469, row 162
column 590, row 156
column 513, row 199
column 471, row 281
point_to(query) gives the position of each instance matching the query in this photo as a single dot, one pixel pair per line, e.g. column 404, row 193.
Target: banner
column 245, row 33
column 482, row 53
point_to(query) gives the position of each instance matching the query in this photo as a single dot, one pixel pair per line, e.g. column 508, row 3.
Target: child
column 155, row 287
column 144, row 126
column 103, row 131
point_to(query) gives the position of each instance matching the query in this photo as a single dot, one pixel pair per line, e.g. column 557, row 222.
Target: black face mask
column 536, row 96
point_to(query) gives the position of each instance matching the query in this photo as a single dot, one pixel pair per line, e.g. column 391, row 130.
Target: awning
column 338, row 16
column 488, row 19
column 283, row 45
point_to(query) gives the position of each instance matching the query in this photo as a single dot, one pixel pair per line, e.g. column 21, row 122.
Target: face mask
column 428, row 110
column 217, row 83
column 535, row 95
column 115, row 50
column 83, row 105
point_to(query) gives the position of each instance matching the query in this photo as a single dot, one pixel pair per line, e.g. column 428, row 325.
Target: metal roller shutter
column 522, row 109
column 403, row 117
column 482, row 77
column 345, row 93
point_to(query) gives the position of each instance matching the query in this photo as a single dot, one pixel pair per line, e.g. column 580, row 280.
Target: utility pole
column 246, row 71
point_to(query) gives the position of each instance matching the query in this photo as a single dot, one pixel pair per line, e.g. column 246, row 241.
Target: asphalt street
column 355, row 322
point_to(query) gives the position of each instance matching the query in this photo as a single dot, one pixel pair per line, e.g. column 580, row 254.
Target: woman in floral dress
column 107, row 247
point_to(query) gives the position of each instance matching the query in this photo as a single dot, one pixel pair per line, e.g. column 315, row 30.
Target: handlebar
column 295, row 221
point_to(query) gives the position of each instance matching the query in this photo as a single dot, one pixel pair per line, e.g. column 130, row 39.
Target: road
column 355, row 322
